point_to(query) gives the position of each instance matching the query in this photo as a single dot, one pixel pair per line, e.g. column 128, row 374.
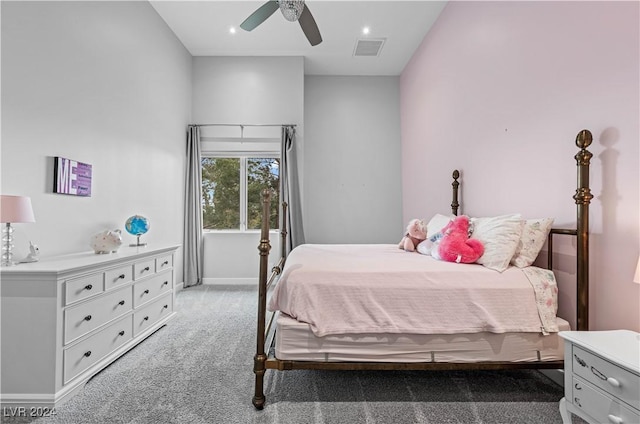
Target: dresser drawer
column 86, row 353
column 144, row 268
column 599, row 406
column 619, row 382
column 150, row 288
column 152, row 313
column 83, row 318
column 83, row 287
column 164, row 262
column 117, row 276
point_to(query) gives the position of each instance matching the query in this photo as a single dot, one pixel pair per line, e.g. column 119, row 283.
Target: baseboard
column 557, row 376
column 179, row 286
column 230, row 281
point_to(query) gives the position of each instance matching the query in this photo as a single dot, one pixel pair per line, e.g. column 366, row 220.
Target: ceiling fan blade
column 260, row 15
column 309, row 27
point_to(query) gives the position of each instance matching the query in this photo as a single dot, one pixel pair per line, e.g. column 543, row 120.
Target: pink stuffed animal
column 456, row 246
column 416, row 232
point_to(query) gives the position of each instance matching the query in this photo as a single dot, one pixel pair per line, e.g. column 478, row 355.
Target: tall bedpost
column 260, row 359
column 283, row 233
column 583, row 197
column 454, row 204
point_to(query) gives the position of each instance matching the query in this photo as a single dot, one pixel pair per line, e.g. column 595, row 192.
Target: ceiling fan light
column 291, row 9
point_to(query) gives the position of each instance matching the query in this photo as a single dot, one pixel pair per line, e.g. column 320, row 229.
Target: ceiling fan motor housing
column 291, row 9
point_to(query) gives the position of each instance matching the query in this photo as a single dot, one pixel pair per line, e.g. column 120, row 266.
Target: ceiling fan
column 293, row 10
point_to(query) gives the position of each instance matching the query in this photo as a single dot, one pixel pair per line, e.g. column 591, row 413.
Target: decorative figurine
column 33, row 256
column 107, row 241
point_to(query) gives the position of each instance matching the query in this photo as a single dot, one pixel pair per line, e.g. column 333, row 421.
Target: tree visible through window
column 232, row 192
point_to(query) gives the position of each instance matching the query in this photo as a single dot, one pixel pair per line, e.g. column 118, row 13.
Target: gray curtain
column 193, row 211
column 290, row 188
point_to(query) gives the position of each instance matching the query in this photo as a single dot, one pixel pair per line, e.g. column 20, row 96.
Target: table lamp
column 13, row 210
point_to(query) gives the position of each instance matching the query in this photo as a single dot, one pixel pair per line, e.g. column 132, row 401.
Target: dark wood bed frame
column 265, row 359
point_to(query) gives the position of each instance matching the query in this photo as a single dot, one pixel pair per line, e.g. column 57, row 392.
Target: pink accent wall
column 499, row 90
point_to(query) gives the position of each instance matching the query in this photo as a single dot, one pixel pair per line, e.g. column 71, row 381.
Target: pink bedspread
column 348, row 289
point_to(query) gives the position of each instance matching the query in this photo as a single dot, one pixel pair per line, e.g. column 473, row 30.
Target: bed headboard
column 582, row 199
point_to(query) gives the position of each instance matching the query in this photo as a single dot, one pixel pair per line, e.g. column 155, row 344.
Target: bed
column 376, row 307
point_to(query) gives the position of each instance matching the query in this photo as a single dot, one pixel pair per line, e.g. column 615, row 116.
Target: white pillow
column 437, row 223
column 534, row 234
column 500, row 236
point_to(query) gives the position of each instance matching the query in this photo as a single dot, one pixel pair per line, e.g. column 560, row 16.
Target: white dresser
column 602, row 376
column 65, row 318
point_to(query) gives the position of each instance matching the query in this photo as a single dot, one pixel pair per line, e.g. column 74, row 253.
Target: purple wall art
column 71, row 177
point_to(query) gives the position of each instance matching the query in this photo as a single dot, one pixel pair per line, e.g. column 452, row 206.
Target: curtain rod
column 244, row 125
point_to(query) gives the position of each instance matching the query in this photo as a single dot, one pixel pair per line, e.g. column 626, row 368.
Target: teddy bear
column 456, row 245
column 416, row 232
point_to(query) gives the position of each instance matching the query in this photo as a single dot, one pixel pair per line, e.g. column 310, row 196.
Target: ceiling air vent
column 369, row 47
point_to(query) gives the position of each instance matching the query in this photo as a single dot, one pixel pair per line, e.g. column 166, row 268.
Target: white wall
column 352, row 181
column 245, row 90
column 106, row 83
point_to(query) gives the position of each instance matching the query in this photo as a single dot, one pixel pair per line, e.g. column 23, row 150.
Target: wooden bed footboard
column 264, row 358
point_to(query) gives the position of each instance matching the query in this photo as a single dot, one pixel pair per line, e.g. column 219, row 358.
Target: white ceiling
column 203, row 27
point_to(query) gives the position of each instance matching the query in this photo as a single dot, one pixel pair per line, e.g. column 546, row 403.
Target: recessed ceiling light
column 232, row 30
column 365, row 30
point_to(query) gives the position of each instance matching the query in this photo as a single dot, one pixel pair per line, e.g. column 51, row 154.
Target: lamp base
column 7, row 245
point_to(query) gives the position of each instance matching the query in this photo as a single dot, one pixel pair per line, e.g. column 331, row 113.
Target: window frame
column 244, row 187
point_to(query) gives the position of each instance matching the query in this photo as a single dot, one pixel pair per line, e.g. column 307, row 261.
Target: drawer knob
column 146, row 318
column 146, row 291
column 165, row 263
column 577, row 402
column 577, row 386
column 87, row 318
column 88, row 287
column 87, row 353
column 165, row 283
column 121, row 333
column 121, row 277
column 613, row 382
column 580, row 361
column 614, row 419
column 146, row 268
column 121, row 303
column 166, row 306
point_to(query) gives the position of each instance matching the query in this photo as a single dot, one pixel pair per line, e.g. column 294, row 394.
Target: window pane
column 221, row 193
column 262, row 173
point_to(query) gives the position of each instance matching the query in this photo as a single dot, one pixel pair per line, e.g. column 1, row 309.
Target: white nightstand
column 601, row 376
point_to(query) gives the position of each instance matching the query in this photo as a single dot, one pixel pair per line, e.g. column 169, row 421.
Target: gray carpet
column 198, row 369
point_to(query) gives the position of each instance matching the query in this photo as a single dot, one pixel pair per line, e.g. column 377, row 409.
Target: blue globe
column 137, row 225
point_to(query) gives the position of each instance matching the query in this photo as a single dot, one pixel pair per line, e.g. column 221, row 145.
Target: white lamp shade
column 16, row 209
column 636, row 279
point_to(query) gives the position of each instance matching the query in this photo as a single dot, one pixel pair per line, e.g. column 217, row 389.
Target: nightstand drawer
column 81, row 319
column 86, row 353
column 605, row 410
column 152, row 313
column 84, row 287
column 117, row 276
column 617, row 381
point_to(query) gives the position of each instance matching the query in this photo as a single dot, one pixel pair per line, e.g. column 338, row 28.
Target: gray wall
column 244, row 90
column 105, row 83
column 352, row 178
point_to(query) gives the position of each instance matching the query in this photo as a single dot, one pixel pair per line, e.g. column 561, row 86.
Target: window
column 232, row 192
